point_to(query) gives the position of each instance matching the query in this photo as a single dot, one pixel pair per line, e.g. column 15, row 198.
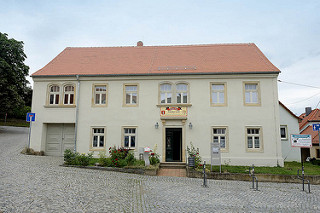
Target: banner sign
column 173, row 111
column 301, row 141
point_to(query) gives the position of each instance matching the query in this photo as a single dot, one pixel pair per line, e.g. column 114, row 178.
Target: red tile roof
column 314, row 116
column 155, row 60
column 314, row 134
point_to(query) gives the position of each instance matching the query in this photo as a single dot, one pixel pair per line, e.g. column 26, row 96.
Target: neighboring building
column 93, row 98
column 289, row 124
column 307, row 119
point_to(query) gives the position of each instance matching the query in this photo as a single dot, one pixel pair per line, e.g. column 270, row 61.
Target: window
column 254, row 140
column 174, row 94
column 182, row 93
column 100, row 94
column 131, row 95
column 129, row 137
column 166, row 93
column 98, row 138
column 54, row 94
column 251, row 93
column 218, row 95
column 68, row 95
column 283, row 132
column 220, row 135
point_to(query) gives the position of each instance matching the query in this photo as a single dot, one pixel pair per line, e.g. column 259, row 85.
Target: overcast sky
column 287, row 32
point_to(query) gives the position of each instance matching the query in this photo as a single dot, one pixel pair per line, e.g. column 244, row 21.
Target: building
column 289, row 124
column 307, row 119
column 166, row 96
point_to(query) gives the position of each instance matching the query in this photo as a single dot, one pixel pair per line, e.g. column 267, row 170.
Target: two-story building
column 90, row 99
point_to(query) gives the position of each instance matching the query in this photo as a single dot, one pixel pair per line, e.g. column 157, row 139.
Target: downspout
column 77, row 114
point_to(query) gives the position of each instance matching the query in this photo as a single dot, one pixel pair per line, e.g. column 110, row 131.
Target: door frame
column 181, row 126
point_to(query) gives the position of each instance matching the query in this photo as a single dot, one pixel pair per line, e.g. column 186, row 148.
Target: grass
column 14, row 122
column 290, row 168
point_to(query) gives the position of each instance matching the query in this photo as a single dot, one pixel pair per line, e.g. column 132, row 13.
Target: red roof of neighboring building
column 314, row 134
column 155, row 60
column 314, row 116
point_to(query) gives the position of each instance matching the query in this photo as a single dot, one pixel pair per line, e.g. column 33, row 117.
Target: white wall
column 201, row 114
column 289, row 153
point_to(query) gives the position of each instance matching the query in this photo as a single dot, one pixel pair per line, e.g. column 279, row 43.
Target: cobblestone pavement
column 39, row 184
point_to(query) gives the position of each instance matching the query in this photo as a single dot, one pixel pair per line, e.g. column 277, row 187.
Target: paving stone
column 39, row 184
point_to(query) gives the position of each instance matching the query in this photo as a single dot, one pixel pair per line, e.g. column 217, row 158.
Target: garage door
column 59, row 138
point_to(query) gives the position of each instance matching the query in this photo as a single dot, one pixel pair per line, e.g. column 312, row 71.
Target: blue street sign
column 316, row 127
column 31, row 117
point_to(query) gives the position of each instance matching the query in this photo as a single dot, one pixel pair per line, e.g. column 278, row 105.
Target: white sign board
column 301, row 141
column 215, row 154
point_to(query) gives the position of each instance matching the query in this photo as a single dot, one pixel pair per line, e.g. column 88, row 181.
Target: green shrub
column 118, row 155
column 103, row 160
column 154, row 158
column 74, row 158
column 69, row 157
column 130, row 159
column 194, row 152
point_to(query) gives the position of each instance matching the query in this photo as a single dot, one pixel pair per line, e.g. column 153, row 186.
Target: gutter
column 77, row 114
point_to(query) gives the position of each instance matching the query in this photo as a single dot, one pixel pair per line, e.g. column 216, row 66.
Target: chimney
column 308, row 110
column 139, row 43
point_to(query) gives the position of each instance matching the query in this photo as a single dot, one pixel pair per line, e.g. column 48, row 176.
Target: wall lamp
column 156, row 125
column 190, row 125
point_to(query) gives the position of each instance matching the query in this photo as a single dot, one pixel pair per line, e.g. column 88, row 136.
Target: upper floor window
column 100, row 94
column 166, row 93
column 182, row 93
column 177, row 93
column 68, row 94
column 54, row 95
column 218, row 94
column 251, row 91
column 131, row 95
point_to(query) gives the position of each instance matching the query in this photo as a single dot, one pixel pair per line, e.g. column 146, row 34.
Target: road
column 39, row 184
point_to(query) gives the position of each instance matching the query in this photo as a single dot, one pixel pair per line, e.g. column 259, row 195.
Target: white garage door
column 59, row 138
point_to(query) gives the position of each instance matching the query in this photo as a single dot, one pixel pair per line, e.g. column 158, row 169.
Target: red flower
column 115, row 151
column 200, row 165
column 152, row 154
column 116, row 159
column 197, row 153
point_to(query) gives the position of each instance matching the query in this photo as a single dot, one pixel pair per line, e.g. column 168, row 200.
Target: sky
column 286, row 31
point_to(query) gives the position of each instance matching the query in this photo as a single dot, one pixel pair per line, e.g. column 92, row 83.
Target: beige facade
column 251, row 130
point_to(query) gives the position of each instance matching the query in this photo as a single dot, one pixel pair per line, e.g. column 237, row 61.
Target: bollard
column 254, row 178
column 204, row 175
column 302, row 178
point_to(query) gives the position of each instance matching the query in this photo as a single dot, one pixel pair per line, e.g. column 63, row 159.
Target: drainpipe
column 77, row 114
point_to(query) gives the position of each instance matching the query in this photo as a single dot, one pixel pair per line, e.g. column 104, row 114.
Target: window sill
column 218, row 105
column 284, row 139
column 59, row 106
column 171, row 104
column 252, row 104
column 254, row 150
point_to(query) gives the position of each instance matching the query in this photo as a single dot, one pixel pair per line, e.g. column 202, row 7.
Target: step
column 173, row 165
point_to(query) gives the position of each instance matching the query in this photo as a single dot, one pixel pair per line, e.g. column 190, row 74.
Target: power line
column 306, row 99
column 304, row 85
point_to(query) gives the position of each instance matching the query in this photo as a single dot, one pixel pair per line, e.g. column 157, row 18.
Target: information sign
column 301, row 141
column 215, row 155
column 31, row 117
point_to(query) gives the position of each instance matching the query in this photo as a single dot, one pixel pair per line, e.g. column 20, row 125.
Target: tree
column 13, row 83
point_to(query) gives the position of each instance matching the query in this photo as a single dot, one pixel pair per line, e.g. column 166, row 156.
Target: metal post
column 302, row 178
column 5, row 119
column 29, row 133
column 204, row 175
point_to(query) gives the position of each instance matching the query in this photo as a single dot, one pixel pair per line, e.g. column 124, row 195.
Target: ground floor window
column 254, row 140
column 129, row 138
column 98, row 138
column 220, row 136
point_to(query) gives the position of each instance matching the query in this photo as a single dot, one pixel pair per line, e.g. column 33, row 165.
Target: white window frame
column 250, row 92
column 254, row 136
column 54, row 94
column 131, row 94
column 219, row 92
column 130, row 135
column 70, row 95
column 286, row 132
column 219, row 135
column 166, row 93
column 100, row 94
column 182, row 93
column 99, row 135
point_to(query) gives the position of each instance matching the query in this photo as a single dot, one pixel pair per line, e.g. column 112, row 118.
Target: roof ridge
column 174, row 45
column 264, row 58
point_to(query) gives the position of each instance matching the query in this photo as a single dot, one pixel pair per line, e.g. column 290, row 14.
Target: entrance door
column 173, row 144
column 59, row 138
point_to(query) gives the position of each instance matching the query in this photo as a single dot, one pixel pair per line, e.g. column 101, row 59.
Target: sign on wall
column 301, row 141
column 173, row 111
